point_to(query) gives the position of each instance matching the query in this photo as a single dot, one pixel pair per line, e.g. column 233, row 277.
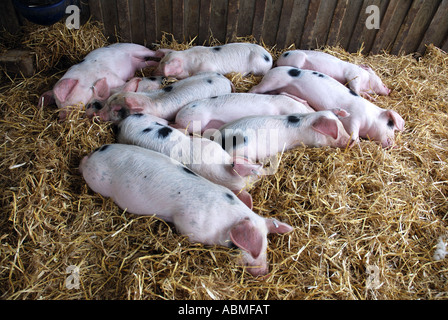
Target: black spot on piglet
column 294, row 72
column 147, row 130
column 189, row 171
column 168, row 89
column 293, row 119
column 164, row 132
column 353, row 92
column 391, row 124
column 217, row 49
column 230, row 197
column 286, row 54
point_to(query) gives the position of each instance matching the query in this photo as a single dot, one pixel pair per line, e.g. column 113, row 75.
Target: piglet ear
column 397, row 119
column 327, row 127
column 243, row 167
column 133, row 104
column 132, row 85
column 340, row 113
column 101, row 89
column 275, row 226
column 247, row 237
column 46, row 99
column 365, row 67
column 63, row 88
column 172, row 67
column 245, row 197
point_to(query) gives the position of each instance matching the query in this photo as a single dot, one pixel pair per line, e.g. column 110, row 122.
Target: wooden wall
column 406, row 25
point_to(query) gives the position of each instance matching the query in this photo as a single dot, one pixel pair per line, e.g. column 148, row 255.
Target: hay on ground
column 367, row 220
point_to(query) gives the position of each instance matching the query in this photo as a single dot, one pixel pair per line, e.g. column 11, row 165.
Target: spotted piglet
column 166, row 102
column 203, row 156
column 322, row 92
column 93, row 78
column 361, row 79
column 259, row 137
column 134, row 85
column 241, row 58
column 214, row 112
column 146, row 182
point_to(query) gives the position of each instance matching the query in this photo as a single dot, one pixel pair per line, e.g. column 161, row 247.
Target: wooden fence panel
column 438, row 29
column 405, row 25
column 415, row 25
column 191, row 19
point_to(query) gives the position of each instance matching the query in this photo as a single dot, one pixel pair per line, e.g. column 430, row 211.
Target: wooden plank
column 164, row 18
column 444, row 47
column 437, row 30
column 271, row 21
column 137, row 16
column 232, row 20
column 297, row 23
column 349, row 23
column 246, row 18
column 414, row 26
column 307, row 36
column 390, row 25
column 124, row 21
column 191, row 19
column 9, row 19
column 318, row 23
column 218, row 19
column 95, row 10
column 178, row 20
column 336, row 23
column 259, row 12
column 204, row 21
column 150, row 23
column 284, row 23
column 323, row 22
column 110, row 18
column 362, row 36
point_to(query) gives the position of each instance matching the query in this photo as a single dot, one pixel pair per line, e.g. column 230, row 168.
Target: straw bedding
column 367, row 220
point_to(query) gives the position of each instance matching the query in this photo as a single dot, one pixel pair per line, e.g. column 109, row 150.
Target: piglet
column 241, row 58
column 146, row 182
column 133, row 85
column 93, row 78
column 322, row 92
column 166, row 102
column 202, row 156
column 214, row 112
column 259, row 137
column 361, row 79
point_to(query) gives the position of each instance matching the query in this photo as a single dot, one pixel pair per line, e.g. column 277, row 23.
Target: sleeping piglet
column 361, row 79
column 101, row 70
column 259, row 137
column 322, row 92
column 146, row 182
column 214, row 112
column 202, row 156
column 166, row 102
column 134, row 85
column 241, row 58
